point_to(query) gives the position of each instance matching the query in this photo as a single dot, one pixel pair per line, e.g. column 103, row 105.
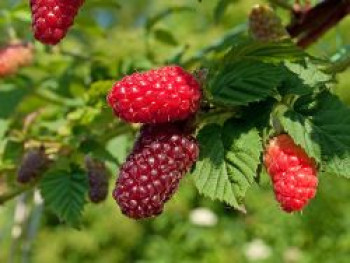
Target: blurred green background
column 108, row 40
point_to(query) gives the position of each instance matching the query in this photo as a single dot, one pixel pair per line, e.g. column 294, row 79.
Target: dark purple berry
column 98, row 180
column 162, row 155
column 34, row 162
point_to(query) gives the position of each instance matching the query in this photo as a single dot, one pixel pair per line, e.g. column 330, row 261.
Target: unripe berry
column 265, row 25
column 34, row 162
column 51, row 19
column 98, row 180
column 157, row 96
column 162, row 155
column 293, row 173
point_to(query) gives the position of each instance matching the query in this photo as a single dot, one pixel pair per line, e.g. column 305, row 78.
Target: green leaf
column 243, row 148
column 246, row 48
column 165, row 37
column 303, row 78
column 300, row 129
column 10, row 98
column 242, row 82
column 228, row 161
column 321, row 124
column 64, row 193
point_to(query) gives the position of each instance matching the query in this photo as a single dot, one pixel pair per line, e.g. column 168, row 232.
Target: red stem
column 315, row 34
column 311, row 24
column 312, row 17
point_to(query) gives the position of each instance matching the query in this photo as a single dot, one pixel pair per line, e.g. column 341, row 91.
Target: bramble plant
column 253, row 104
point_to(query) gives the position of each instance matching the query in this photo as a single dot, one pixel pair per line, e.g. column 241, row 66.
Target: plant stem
column 314, row 23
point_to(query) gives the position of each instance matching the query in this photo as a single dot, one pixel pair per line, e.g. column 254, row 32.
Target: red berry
column 162, row 155
column 98, row 180
column 34, row 162
column 14, row 56
column 293, row 173
column 8, row 66
column 157, row 96
column 51, row 19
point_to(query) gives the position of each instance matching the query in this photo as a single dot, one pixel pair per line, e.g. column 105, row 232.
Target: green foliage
column 64, row 193
column 246, row 48
column 260, row 89
column 320, row 124
column 303, row 78
column 240, row 83
column 228, row 162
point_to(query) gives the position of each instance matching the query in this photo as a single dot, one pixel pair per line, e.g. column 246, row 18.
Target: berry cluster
column 293, row 173
column 265, row 25
column 14, row 56
column 34, row 162
column 163, row 99
column 98, row 180
column 51, row 19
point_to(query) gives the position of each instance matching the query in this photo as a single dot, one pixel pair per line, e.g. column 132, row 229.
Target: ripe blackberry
column 162, row 155
column 98, row 180
column 265, row 25
column 34, row 162
column 293, row 173
column 51, row 19
column 157, row 96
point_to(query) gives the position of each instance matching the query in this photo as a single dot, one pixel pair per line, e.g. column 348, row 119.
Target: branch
column 332, row 20
column 310, row 25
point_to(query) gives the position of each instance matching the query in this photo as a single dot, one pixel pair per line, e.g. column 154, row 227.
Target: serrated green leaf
column 321, row 125
column 303, row 79
column 246, row 48
column 242, row 82
column 243, row 149
column 228, row 161
column 211, row 176
column 64, row 193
